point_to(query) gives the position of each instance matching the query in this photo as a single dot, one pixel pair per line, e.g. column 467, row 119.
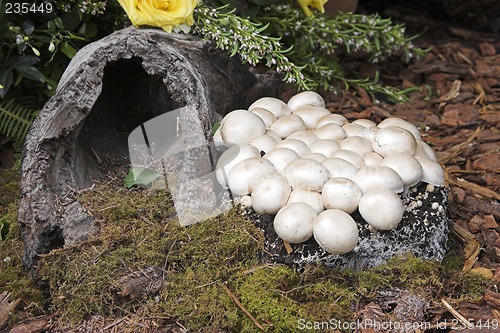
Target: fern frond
column 15, row 121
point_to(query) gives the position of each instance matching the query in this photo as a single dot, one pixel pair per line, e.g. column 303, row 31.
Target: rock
column 111, row 87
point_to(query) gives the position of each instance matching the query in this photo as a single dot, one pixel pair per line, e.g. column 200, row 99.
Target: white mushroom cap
column 406, row 166
column 311, row 114
column 341, row 193
column 312, row 198
column 273, row 134
column 287, row 125
column 296, row 145
column 270, row 193
column 232, row 156
column 294, row 222
column 349, row 156
column 369, row 133
column 352, row 129
column 339, row 167
column 372, row 159
column 218, row 142
column 424, row 150
column 305, row 98
column 330, row 132
column 281, row 157
column 371, row 178
column 325, row 147
column 264, row 143
column 245, row 201
column 306, row 174
column 276, row 106
column 357, row 144
column 367, row 123
column 398, row 122
column 244, row 174
column 382, row 209
column 392, row 140
column 336, row 232
column 241, row 126
column 315, row 157
column 331, row 119
column 433, row 173
column 306, row 136
column 267, row 116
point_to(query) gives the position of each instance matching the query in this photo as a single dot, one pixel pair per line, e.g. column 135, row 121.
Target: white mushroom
column 331, row 119
column 245, row 201
column 341, row 193
column 370, row 178
column 218, row 142
column 392, row 140
column 372, row 159
column 306, row 136
column 287, row 125
column 270, row 193
column 352, row 129
column 312, row 198
column 244, row 174
column 296, row 145
column 382, row 209
column 336, row 232
column 406, row 166
column 276, row 106
column 232, row 156
column 339, row 167
column 264, row 143
column 433, row 173
column 241, row 126
column 349, row 156
column 305, row 98
column 311, row 114
column 356, row 144
column 281, row 157
column 398, row 122
column 330, row 132
column 325, row 147
column 306, row 174
column 424, row 150
column 273, row 135
column 267, row 116
column 294, row 222
column 367, row 123
column 315, row 156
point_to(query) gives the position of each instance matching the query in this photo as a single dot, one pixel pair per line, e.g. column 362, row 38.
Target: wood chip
column 457, row 315
column 288, row 247
column 477, row 189
column 6, row 308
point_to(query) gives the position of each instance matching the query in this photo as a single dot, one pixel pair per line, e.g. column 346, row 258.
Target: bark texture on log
column 111, row 87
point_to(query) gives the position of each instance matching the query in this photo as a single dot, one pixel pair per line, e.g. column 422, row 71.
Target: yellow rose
column 165, row 14
column 318, row 4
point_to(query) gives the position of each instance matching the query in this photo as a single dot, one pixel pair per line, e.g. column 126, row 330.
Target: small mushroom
column 281, row 157
column 267, row 116
column 367, row 123
column 312, row 198
column 241, row 126
column 393, row 140
column 287, row 125
column 325, row 147
column 264, row 143
column 315, row 157
column 305, row 98
column 433, row 173
column 372, row 159
column 218, row 142
column 330, row 132
column 276, row 106
column 406, row 166
column 352, row 129
column 339, row 167
column 370, row 178
column 294, row 222
column 311, row 114
column 331, row 119
column 336, row 232
column 306, row 174
column 424, row 150
column 398, row 122
column 232, row 156
column 382, row 209
column 357, row 144
column 341, row 193
column 349, row 156
column 296, row 145
column 244, row 174
column 306, row 136
column 270, row 193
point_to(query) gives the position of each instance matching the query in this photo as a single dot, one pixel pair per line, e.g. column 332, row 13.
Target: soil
column 456, row 101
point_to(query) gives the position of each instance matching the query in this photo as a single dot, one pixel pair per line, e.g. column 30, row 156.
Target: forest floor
column 456, row 101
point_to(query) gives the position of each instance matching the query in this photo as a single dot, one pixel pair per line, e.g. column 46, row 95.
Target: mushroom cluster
column 312, row 169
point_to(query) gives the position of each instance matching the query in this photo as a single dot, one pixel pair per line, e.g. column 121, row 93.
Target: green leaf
column 28, row 27
column 31, row 73
column 90, row 30
column 140, row 176
column 68, row 50
column 4, row 228
column 215, row 128
column 5, row 81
